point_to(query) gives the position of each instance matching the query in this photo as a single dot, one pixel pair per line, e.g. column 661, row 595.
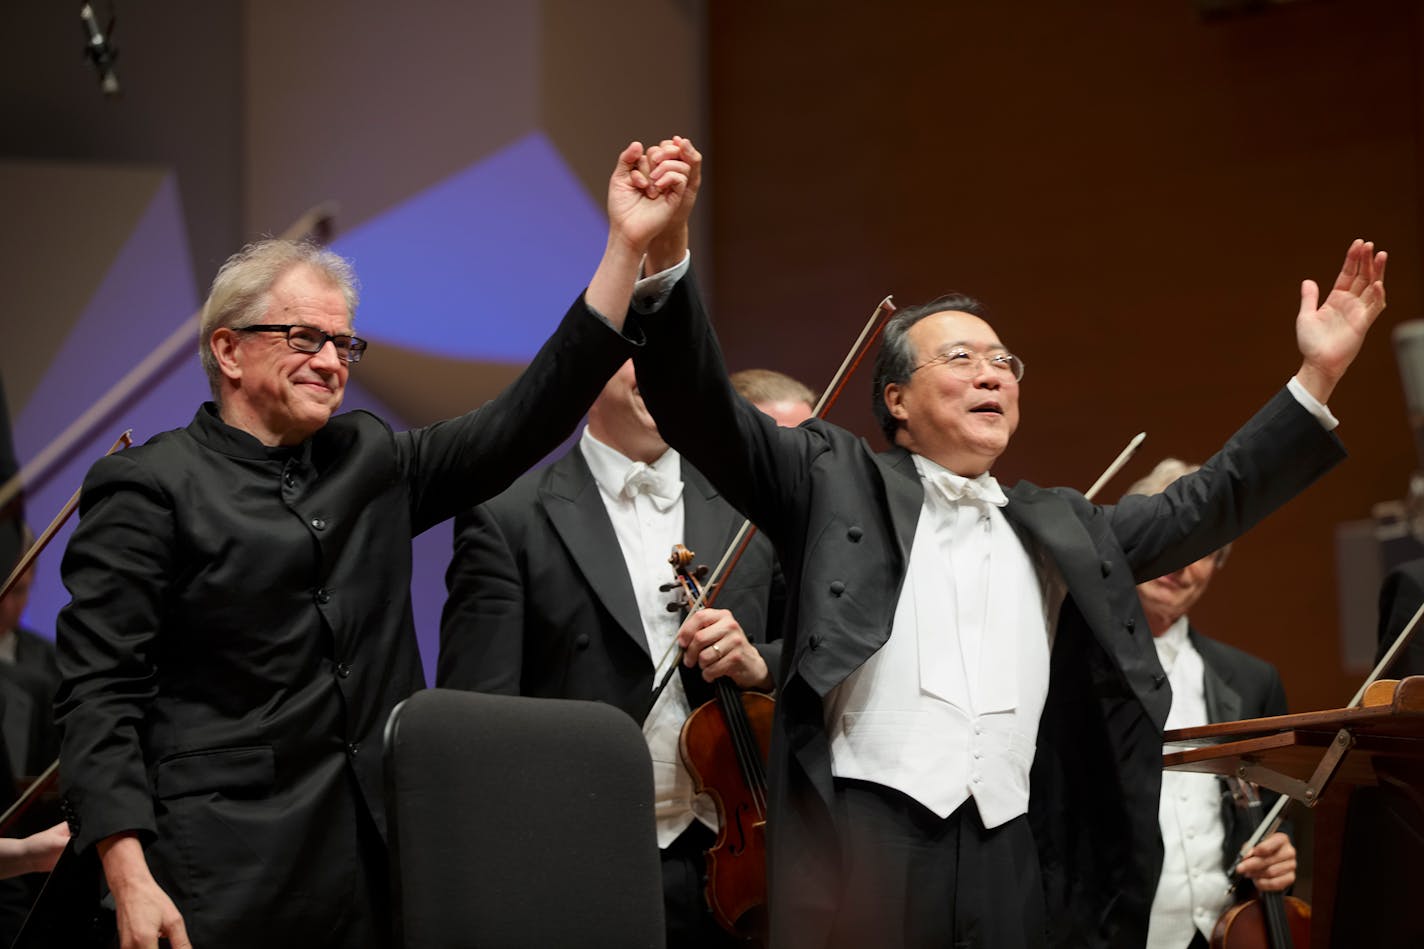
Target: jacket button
column 1158, row 680
column 1130, row 624
column 353, row 748
column 814, row 642
column 289, row 479
column 581, row 641
column 318, row 523
column 837, row 588
column 323, row 597
column 343, row 670
column 854, row 534
column 1107, row 568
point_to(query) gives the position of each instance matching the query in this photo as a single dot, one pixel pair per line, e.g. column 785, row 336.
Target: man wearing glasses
column 967, row 743
column 240, row 623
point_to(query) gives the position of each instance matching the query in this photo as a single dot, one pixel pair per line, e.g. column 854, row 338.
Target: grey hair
column 1159, row 478
column 896, row 359
column 239, row 293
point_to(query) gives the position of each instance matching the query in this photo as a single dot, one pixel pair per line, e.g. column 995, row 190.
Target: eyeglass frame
column 943, row 359
column 355, row 345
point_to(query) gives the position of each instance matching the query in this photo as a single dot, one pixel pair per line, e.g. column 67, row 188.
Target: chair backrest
column 520, row 822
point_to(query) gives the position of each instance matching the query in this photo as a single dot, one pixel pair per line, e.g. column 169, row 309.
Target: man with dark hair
column 967, row 744
column 1400, row 596
column 240, row 624
column 1203, row 828
column 785, row 399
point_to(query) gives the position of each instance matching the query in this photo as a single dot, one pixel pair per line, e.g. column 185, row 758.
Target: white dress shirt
column 948, row 708
column 644, row 502
column 1193, row 890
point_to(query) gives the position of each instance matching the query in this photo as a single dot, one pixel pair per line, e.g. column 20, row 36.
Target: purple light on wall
column 145, row 295
column 485, row 263
column 481, row 265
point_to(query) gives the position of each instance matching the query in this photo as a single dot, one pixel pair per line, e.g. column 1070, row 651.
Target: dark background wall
column 1136, row 192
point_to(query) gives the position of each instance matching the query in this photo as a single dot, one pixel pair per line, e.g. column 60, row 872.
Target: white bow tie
column 952, row 487
column 644, row 479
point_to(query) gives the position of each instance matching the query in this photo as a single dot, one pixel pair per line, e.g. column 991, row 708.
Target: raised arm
column 462, row 462
column 1330, row 334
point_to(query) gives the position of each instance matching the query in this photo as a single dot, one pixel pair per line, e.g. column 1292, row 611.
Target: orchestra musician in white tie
column 967, row 744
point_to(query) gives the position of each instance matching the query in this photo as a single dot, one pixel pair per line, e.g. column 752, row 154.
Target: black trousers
column 690, row 924
column 913, row 880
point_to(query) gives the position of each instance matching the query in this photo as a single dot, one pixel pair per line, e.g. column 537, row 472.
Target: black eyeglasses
column 309, row 339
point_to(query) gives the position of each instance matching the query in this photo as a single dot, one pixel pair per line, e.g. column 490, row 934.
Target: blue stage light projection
column 484, row 264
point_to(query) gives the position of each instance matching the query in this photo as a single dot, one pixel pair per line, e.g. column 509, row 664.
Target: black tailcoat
column 843, row 518
column 540, row 599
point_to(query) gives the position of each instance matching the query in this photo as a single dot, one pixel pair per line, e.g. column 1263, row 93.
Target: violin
column 724, row 744
column 1271, row 920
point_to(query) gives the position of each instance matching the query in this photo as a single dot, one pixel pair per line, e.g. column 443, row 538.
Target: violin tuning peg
column 702, row 571
column 667, row 588
column 674, row 607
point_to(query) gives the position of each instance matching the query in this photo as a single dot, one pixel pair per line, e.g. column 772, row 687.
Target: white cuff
column 1312, row 405
column 650, row 293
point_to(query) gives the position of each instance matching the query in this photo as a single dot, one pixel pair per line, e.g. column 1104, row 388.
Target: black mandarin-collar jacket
column 240, row 629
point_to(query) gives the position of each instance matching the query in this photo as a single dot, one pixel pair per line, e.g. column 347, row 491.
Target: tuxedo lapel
column 1046, row 522
column 904, row 495
column 1223, row 702
column 570, row 497
column 706, row 528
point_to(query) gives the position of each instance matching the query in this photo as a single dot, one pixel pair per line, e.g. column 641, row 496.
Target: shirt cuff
column 1312, row 405
column 650, row 293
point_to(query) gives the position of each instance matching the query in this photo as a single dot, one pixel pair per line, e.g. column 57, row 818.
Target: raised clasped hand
column 645, row 194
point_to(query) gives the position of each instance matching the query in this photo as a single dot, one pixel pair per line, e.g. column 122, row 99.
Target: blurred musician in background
column 1202, row 829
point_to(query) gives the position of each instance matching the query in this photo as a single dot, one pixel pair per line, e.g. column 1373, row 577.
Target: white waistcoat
column 972, row 731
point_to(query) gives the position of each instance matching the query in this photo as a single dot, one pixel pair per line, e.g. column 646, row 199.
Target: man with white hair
column 1202, row 826
column 240, row 624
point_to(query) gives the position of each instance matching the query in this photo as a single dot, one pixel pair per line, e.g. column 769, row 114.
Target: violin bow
column 868, row 335
column 48, row 777
column 1274, row 817
column 123, row 441
column 1111, row 471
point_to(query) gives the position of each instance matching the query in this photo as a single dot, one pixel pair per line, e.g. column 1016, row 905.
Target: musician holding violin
column 1204, row 824
column 944, row 771
column 561, row 587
